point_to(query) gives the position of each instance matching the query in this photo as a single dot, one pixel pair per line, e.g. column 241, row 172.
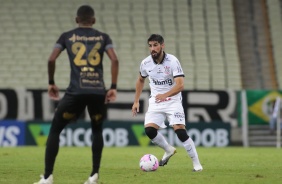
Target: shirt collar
column 162, row 59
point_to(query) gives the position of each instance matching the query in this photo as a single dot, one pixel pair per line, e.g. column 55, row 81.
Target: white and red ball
column 149, row 163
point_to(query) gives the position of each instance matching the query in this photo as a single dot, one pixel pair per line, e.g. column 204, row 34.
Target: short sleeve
column 108, row 42
column 61, row 42
column 143, row 72
column 177, row 69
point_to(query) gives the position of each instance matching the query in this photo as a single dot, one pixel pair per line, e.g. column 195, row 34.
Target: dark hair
column 156, row 37
column 85, row 13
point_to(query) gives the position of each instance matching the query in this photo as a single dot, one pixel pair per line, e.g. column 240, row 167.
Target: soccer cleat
column 197, row 168
column 49, row 180
column 167, row 156
column 93, row 179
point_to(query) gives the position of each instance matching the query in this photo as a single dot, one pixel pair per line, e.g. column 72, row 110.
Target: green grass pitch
column 121, row 166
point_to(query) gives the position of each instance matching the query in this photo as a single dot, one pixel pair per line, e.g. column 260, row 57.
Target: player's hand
column 135, row 108
column 53, row 92
column 111, row 95
column 160, row 98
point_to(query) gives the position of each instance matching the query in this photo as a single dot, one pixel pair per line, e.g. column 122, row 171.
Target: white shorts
column 171, row 110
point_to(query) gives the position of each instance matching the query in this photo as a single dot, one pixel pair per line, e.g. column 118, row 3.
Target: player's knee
column 58, row 124
column 182, row 134
column 97, row 123
column 151, row 132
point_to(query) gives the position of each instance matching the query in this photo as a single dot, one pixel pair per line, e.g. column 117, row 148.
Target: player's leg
column 153, row 121
column 97, row 112
column 189, row 145
column 69, row 109
column 158, row 139
column 176, row 118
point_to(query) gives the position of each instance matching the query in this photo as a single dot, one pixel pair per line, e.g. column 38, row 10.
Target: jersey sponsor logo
column 86, row 69
column 75, row 38
column 179, row 115
column 165, row 82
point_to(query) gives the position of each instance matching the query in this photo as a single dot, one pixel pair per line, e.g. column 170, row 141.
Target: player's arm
column 178, row 87
column 138, row 90
column 53, row 90
column 111, row 94
column 115, row 64
column 52, row 63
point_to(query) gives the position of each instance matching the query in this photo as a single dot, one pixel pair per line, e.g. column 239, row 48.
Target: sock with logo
column 191, row 150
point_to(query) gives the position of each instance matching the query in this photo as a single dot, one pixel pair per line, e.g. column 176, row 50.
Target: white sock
column 160, row 141
column 191, row 150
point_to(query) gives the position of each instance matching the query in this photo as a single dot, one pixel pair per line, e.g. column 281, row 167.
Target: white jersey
column 161, row 76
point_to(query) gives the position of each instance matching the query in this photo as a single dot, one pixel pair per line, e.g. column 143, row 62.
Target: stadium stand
column 200, row 33
column 275, row 17
column 255, row 44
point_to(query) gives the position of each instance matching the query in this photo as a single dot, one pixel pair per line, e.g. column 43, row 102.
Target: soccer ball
column 149, row 163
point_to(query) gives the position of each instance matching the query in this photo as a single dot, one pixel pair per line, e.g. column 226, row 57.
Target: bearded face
column 156, row 49
column 156, row 54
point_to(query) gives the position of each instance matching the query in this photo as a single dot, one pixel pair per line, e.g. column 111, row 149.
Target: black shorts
column 72, row 106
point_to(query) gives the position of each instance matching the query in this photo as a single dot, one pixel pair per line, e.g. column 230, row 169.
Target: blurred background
column 230, row 51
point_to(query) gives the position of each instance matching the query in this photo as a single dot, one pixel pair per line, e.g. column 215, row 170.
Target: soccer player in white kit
column 166, row 82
